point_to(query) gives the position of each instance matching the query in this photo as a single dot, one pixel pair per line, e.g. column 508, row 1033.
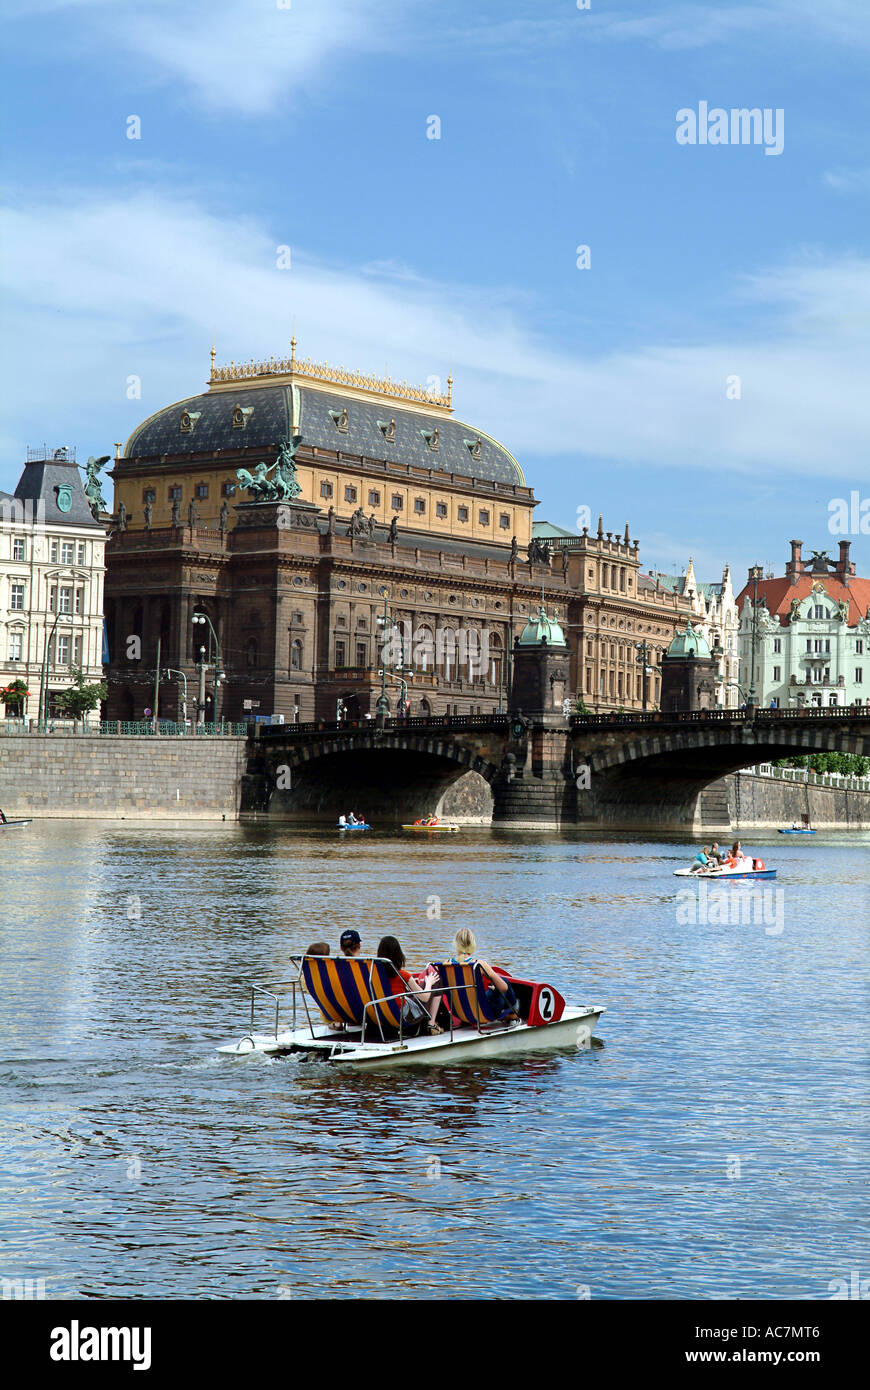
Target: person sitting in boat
column 319, row 948
column 350, row 943
column 464, row 948
column 423, row 1005
column 342, row 822
column 701, row 861
column 715, row 856
column 352, row 820
column 3, row 820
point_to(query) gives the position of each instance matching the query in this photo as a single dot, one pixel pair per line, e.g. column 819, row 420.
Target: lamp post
column 170, row 672
column 643, row 650
column 754, row 639
column 385, row 620
column 43, row 704
column 219, row 675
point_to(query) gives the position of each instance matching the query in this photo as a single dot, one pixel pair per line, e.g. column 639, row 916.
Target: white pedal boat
column 729, row 874
column 352, row 990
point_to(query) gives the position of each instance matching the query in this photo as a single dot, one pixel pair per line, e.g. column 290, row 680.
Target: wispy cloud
column 249, row 56
column 847, row 180
column 138, row 285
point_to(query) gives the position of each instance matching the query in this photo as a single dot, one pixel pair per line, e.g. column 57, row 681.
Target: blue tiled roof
column 269, row 422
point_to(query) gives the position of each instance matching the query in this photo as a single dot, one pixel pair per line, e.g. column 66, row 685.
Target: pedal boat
column 360, row 825
column 438, row 827
column 799, row 830
column 726, row 874
column 355, row 995
column 15, row 824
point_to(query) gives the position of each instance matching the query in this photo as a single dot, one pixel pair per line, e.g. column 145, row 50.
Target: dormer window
column 474, row 447
column 431, row 438
column 340, row 419
column 388, row 430
column 187, row 423
column 241, row 415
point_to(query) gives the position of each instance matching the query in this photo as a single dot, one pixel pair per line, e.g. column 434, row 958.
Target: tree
column 13, row 697
column 580, row 706
column 80, row 698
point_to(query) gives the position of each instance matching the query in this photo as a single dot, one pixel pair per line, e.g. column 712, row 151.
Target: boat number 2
column 545, row 1004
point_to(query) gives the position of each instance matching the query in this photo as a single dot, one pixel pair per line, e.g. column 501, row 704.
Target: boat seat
column 343, row 987
column 466, row 993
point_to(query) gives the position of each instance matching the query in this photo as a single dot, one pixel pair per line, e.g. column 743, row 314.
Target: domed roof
column 689, row 643
column 258, row 414
column 540, row 630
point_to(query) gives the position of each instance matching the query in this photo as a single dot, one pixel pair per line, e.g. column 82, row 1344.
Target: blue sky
column 265, row 124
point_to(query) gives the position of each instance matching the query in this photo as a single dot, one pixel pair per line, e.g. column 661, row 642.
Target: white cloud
column 137, row 285
column 249, row 56
column 847, row 180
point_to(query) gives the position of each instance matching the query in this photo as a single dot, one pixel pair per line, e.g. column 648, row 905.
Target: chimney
column 844, row 569
column 794, row 567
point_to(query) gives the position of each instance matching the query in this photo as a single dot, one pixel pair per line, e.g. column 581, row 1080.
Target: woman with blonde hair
column 464, row 948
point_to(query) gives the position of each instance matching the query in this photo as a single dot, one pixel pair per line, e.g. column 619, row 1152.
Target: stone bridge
column 640, row 772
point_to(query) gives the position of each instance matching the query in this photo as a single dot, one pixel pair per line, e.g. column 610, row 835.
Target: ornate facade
column 715, row 618
column 396, row 512
column 51, row 582
column 805, row 636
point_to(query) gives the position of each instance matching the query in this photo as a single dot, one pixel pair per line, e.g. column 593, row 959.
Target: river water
column 711, row 1144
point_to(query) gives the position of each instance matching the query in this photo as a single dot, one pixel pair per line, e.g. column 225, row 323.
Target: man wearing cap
column 350, row 943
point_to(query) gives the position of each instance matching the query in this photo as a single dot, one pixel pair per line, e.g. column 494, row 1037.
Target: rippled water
column 713, row 1145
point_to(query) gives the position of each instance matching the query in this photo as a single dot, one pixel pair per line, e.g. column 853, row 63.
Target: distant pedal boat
column 728, row 874
column 15, row 824
column 441, row 827
column 360, row 825
column 355, row 995
column 799, row 831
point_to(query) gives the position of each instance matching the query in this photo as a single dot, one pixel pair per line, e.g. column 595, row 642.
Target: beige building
column 52, row 563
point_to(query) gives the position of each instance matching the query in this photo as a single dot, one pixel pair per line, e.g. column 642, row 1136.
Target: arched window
column 296, row 655
column 424, row 649
column 495, row 659
column 448, row 652
column 252, row 652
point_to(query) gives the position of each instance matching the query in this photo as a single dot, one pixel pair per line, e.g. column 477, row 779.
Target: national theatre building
column 272, row 531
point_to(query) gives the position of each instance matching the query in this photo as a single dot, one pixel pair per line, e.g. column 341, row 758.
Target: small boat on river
column 431, row 825
column 15, row 824
column 728, row 874
column 357, row 825
column 346, row 1011
column 798, row 830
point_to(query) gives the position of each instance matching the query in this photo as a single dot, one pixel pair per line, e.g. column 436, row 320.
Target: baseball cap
column 350, row 938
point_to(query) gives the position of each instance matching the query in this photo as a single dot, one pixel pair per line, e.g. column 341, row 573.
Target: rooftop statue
column 278, row 482
column 93, row 492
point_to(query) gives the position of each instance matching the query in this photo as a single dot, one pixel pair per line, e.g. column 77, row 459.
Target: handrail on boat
column 270, row 994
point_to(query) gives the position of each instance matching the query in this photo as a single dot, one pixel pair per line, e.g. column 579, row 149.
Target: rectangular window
column 483, row 517
column 462, row 513
column 54, row 552
column 859, row 675
column 18, row 548
column 622, row 581
column 777, row 673
column 17, row 598
column 818, row 611
column 777, row 645
column 326, row 489
column 361, row 659
column 809, row 644
column 202, row 491
column 350, row 494
column 81, row 553
column 827, row 644
column 228, row 489
column 859, row 647
column 374, row 498
column 149, row 495
column 65, row 605
column 297, row 617
column 62, row 649
column 340, row 653
column 67, row 551
column 504, row 521
column 441, row 509
column 77, row 650
column 175, row 493
column 80, row 600
column 396, row 502
column 419, row 506
column 15, row 640
column 52, row 599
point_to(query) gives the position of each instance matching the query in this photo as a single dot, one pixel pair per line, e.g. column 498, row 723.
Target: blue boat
column 360, row 825
column 791, row 831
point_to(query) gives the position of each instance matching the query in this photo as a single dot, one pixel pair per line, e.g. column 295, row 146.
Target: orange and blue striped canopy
column 343, row 985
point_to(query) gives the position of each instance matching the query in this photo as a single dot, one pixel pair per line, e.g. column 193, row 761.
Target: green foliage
column 80, row 698
column 847, row 764
column 580, row 706
column 13, row 696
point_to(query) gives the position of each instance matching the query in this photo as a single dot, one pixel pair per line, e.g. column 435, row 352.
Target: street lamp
column 170, row 672
column 202, row 619
column 386, row 620
column 642, row 658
